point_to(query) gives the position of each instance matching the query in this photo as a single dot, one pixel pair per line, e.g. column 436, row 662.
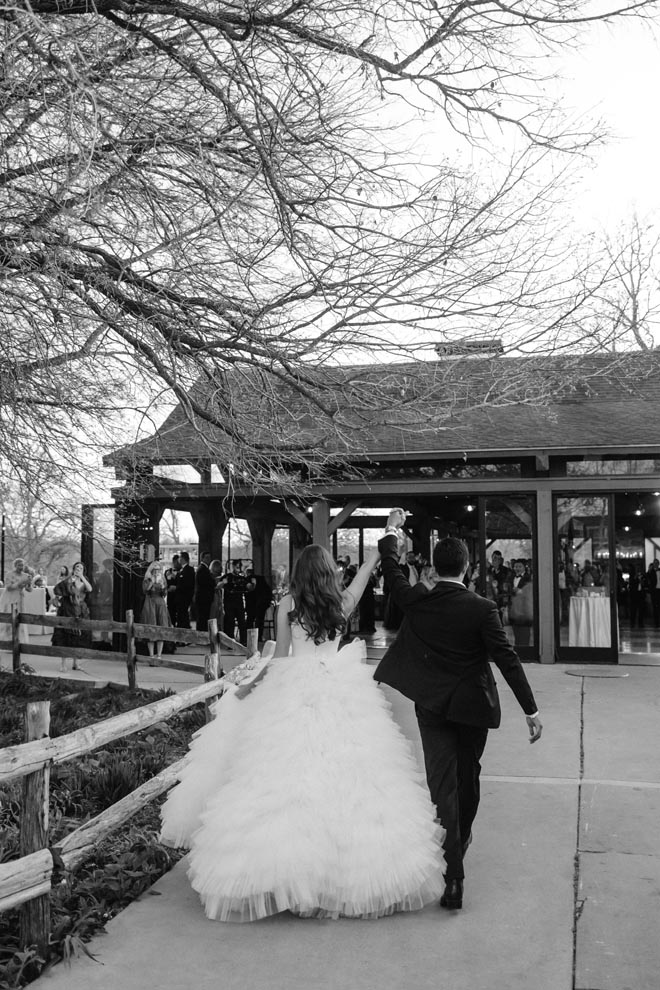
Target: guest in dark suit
column 653, row 586
column 521, row 607
column 636, row 595
column 185, row 590
column 257, row 601
column 439, row 660
column 498, row 581
column 235, row 586
column 204, row 592
column 172, row 577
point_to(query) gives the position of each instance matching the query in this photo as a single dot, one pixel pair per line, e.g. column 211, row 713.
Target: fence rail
column 26, row 882
column 133, row 631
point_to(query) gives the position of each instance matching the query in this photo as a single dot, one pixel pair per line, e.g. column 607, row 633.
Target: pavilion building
column 554, row 461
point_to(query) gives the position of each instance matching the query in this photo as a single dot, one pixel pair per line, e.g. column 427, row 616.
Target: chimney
column 475, row 347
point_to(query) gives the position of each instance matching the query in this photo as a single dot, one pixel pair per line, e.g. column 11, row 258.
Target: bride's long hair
column 316, row 594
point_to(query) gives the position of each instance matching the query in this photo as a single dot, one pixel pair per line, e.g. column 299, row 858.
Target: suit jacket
column 185, row 585
column 440, row 657
column 204, row 585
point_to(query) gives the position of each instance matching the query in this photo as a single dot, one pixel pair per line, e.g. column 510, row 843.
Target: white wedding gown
column 305, row 796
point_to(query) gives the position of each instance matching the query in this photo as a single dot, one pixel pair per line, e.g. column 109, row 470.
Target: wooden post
column 130, row 650
column 547, row 591
column 252, row 642
column 320, row 522
column 35, row 914
column 211, row 664
column 15, row 639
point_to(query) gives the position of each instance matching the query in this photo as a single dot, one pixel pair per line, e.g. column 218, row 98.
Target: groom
column 439, row 660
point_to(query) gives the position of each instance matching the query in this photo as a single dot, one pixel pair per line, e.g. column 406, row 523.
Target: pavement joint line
column 575, row 781
column 578, row 902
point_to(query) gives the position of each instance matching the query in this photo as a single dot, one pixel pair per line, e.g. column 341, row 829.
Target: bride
column 303, row 794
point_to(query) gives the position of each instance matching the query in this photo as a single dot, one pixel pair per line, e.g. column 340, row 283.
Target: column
column 261, row 531
column 299, row 538
column 320, row 523
column 545, row 571
column 210, row 522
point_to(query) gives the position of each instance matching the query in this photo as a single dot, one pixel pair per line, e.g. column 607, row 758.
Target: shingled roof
column 444, row 408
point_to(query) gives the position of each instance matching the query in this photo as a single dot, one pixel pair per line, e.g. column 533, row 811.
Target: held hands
column 396, row 519
column 535, row 727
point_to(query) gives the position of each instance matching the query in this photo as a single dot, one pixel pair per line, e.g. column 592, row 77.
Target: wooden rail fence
column 133, row 631
column 26, row 882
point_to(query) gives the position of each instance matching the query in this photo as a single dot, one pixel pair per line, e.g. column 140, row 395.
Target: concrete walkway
column 562, row 891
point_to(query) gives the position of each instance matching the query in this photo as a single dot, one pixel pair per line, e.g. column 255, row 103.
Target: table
column 589, row 622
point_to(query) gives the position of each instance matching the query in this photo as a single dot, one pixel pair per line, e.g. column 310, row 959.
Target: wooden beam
column 345, row 514
column 301, row 518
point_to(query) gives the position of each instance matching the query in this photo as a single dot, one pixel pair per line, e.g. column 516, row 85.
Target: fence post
column 15, row 639
column 211, row 664
column 130, row 650
column 35, row 914
column 252, row 642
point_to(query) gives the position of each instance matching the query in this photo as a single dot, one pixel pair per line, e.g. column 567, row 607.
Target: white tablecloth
column 35, row 602
column 589, row 622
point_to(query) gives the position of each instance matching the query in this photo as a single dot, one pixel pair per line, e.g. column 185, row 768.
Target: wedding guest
column 257, row 601
column 204, row 591
column 367, row 606
column 653, row 587
column 154, row 611
column 72, row 592
column 521, row 607
column 185, row 590
column 474, row 583
column 588, row 577
column 636, row 596
column 18, row 581
column 217, row 610
column 498, row 578
column 235, row 585
column 172, row 578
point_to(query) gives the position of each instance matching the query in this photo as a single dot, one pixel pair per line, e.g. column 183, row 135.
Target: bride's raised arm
column 352, row 595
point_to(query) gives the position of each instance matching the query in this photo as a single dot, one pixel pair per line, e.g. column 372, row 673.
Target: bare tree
column 44, row 537
column 217, row 204
column 628, row 305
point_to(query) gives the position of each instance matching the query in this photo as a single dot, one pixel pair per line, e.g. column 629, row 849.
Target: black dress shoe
column 452, row 899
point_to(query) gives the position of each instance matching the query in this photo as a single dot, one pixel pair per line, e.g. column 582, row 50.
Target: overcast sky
column 617, row 72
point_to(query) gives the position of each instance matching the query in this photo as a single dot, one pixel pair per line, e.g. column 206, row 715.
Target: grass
column 128, row 861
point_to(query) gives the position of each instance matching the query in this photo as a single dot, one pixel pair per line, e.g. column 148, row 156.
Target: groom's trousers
column 452, row 754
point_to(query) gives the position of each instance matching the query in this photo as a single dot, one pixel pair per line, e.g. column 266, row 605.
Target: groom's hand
column 535, row 727
column 396, row 519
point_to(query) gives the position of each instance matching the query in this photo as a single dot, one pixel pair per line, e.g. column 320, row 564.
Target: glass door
column 510, row 569
column 585, row 596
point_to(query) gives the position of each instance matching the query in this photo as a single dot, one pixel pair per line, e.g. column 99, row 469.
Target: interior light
column 469, row 508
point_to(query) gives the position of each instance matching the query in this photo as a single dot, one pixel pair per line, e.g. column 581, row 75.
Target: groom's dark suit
column 439, row 660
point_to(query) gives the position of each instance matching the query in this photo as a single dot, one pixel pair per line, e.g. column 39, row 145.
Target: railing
column 130, row 629
column 26, row 882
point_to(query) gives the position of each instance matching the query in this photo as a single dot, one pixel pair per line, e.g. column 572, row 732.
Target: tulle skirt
column 305, row 796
